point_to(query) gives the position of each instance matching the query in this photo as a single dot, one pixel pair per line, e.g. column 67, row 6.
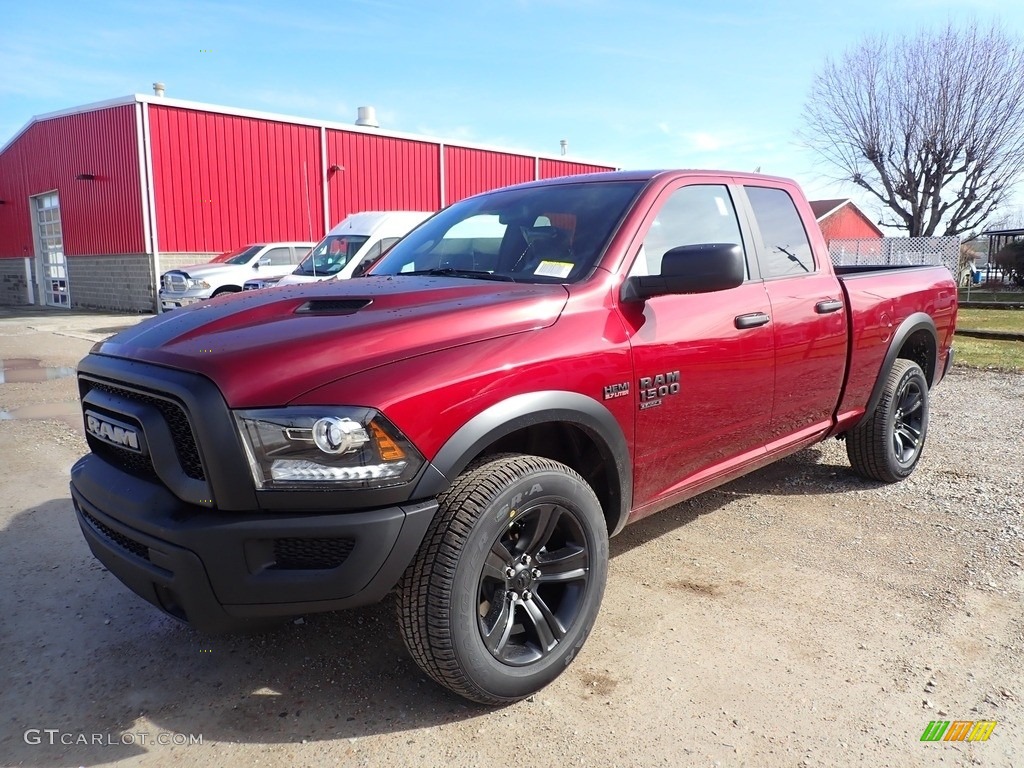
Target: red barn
column 96, row 201
column 840, row 219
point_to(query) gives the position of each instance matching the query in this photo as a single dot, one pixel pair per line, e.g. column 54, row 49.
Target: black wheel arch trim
column 528, row 409
column 919, row 321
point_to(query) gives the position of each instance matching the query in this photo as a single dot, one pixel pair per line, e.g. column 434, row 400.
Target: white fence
column 908, row 251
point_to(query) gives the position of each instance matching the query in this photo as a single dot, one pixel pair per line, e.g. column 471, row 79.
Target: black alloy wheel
column 532, row 584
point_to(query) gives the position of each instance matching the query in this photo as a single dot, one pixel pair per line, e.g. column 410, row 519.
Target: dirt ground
column 797, row 617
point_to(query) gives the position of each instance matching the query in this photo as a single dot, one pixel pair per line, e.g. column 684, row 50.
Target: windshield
column 536, row 235
column 331, row 254
column 241, row 256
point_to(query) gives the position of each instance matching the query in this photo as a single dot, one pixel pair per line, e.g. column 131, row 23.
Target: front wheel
column 508, row 581
column 887, row 445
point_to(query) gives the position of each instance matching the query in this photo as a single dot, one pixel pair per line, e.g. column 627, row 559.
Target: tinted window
column 694, row 215
column 553, row 233
column 787, row 249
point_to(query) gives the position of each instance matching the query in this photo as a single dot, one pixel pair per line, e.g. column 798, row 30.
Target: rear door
column 703, row 363
column 808, row 318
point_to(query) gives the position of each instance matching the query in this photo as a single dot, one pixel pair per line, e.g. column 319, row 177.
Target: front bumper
column 178, row 299
column 257, row 284
column 219, row 571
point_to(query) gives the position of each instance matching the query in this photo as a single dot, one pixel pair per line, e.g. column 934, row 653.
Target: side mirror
column 691, row 269
column 264, row 262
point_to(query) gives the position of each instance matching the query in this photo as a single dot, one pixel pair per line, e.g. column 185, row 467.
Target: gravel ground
column 797, row 617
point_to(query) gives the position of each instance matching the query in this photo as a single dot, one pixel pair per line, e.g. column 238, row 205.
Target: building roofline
column 93, row 107
column 145, row 98
column 830, row 211
column 855, row 208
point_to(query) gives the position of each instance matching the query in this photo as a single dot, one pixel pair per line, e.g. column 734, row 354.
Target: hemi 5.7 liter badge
column 111, row 431
column 654, row 388
column 616, row 390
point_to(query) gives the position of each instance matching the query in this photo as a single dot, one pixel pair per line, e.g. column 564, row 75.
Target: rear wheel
column 508, row 581
column 888, row 444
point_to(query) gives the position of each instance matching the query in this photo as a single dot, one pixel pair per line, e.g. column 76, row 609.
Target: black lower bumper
column 219, row 571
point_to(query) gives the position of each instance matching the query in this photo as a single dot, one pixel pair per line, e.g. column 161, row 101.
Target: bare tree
column 931, row 125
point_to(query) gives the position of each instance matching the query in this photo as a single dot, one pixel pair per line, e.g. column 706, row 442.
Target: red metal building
column 98, row 200
column 841, row 219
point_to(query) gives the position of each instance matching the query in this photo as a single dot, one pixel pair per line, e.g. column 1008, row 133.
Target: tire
column 508, row 581
column 888, row 444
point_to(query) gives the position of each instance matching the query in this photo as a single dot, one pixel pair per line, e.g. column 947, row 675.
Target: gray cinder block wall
column 123, row 283
column 14, row 281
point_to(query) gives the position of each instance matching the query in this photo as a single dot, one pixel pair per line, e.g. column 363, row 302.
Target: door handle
column 751, row 320
column 828, row 305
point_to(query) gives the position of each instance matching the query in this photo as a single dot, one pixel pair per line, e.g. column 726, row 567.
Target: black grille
column 310, row 554
column 130, row 461
column 177, row 422
column 137, row 549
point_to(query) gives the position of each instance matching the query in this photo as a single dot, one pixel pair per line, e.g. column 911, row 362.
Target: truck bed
column 880, row 298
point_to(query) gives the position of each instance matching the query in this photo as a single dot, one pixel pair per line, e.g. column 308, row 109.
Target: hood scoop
column 332, row 306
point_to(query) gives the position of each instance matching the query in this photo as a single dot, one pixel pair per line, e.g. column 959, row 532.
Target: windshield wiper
column 471, row 273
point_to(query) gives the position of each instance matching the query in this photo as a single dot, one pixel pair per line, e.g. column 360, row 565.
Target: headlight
column 326, row 448
column 198, row 284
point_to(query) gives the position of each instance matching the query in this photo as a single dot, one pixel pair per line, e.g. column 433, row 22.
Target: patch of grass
column 985, row 353
column 991, row 319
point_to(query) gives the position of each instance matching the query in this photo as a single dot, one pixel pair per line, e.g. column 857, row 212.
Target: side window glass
column 278, row 257
column 371, row 256
column 375, row 252
column 298, row 254
column 693, row 215
column 387, row 242
column 787, row 249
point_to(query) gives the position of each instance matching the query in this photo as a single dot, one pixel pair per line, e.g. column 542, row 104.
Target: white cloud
column 707, row 142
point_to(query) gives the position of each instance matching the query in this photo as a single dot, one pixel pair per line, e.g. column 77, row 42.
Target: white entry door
column 53, row 271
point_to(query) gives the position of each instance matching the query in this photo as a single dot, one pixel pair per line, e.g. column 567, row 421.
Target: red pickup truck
column 522, row 376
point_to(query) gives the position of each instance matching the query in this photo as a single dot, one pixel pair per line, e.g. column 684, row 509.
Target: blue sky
column 644, row 84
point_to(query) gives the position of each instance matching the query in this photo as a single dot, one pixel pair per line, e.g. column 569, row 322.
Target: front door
column 52, row 269
column 704, row 377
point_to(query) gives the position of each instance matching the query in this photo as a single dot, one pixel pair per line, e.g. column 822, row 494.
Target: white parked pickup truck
column 228, row 273
column 349, row 249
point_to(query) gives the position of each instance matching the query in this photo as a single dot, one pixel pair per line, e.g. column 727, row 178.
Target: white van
column 227, row 273
column 349, row 248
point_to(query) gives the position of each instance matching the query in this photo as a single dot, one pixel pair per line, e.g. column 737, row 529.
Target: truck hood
column 294, row 279
column 201, row 271
column 266, row 348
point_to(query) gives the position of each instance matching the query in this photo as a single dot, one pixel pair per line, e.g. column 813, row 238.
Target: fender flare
column 919, row 321
column 528, row 409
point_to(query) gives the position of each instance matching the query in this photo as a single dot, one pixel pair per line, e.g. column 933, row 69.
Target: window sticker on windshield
column 553, row 269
